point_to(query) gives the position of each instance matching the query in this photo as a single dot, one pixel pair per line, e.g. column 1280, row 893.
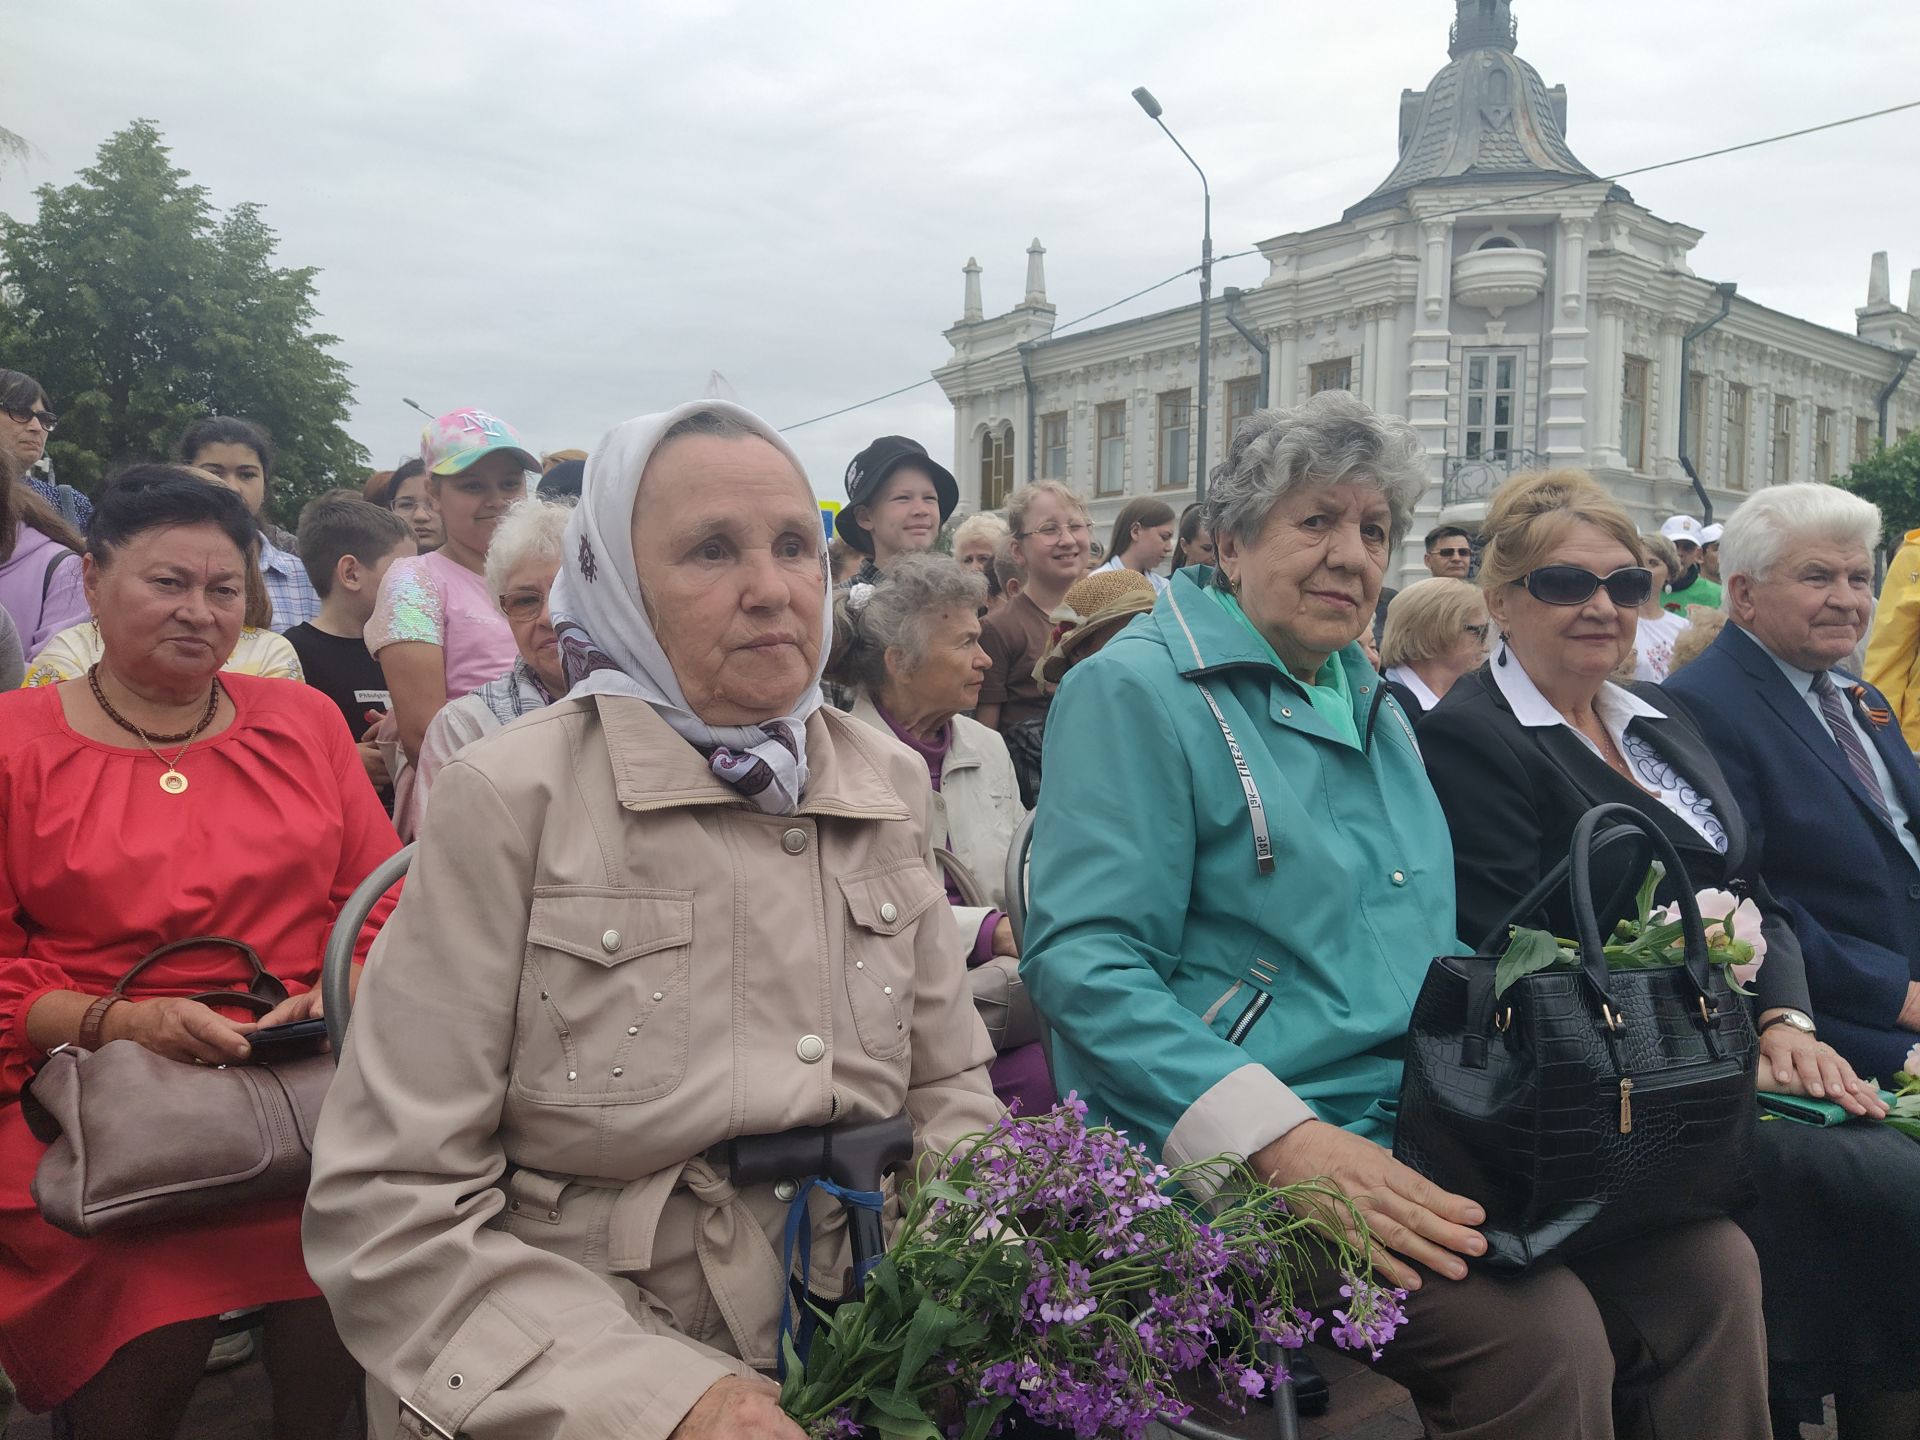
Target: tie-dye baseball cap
column 458, row 438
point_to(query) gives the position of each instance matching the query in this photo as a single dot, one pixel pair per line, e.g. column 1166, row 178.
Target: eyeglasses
column 1629, row 587
column 1053, row 530
column 1452, row 554
column 1479, row 632
column 522, row 605
column 26, row 415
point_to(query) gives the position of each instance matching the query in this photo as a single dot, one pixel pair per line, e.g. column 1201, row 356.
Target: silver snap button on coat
column 1399, row 877
column 889, row 912
column 785, row 1190
column 794, row 841
column 454, row 1382
column 610, row 941
column 811, row 1049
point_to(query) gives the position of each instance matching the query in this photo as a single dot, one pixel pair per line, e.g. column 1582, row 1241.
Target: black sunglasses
column 26, row 415
column 1628, row 588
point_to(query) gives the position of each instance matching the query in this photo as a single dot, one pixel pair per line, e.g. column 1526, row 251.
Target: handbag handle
column 1523, row 909
column 265, row 991
column 1586, row 922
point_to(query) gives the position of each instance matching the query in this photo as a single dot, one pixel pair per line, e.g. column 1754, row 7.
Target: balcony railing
column 1466, row 479
column 1484, row 32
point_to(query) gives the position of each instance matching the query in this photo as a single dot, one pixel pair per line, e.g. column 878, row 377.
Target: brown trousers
column 1658, row 1338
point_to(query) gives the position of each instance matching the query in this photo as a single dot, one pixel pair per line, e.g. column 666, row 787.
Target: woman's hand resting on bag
column 179, row 1029
column 1406, row 1212
column 738, row 1409
column 1793, row 1062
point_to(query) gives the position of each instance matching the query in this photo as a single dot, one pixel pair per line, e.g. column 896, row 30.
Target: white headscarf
column 607, row 642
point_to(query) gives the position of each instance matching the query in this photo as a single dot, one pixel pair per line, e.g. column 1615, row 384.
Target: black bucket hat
column 869, row 471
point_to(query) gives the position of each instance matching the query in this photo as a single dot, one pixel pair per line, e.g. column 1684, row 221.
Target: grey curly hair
column 897, row 612
column 1330, row 439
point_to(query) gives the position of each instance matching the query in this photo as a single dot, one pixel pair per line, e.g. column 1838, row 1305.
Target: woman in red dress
column 152, row 800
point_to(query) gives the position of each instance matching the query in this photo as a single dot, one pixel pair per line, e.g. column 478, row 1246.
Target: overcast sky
column 573, row 212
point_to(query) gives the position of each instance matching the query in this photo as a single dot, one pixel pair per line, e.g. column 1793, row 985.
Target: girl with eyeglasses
column 1051, row 535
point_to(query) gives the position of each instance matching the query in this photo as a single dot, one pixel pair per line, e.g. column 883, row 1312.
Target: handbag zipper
column 1669, row 1080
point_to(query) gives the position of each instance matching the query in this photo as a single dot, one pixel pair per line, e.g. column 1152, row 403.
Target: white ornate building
column 1516, row 308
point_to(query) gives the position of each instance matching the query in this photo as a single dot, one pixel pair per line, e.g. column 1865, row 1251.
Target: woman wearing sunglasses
column 1520, row 750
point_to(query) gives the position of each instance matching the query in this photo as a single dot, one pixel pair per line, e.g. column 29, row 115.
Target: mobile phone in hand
column 287, row 1042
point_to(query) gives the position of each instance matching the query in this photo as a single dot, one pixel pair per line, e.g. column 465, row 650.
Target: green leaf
column 932, row 1323
column 796, row 1380
column 897, row 1415
column 1655, row 873
column 1529, row 951
column 980, row 1418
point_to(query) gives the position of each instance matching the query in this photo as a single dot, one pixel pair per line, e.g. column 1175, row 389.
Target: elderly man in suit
column 1818, row 766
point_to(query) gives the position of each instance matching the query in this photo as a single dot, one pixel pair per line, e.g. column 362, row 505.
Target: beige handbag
column 134, row 1138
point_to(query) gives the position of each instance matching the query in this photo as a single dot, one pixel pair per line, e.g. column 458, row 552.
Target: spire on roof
column 1482, row 25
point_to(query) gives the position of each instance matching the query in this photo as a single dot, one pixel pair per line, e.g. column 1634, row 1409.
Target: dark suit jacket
column 1415, row 710
column 1850, row 886
column 1513, row 794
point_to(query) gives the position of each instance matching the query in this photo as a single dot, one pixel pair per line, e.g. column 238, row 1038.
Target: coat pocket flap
column 887, row 901
column 493, row 1344
column 609, row 926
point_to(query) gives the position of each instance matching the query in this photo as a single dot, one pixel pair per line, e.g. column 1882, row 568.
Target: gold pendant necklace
column 171, row 780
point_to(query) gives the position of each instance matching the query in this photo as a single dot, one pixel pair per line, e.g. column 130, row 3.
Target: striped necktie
column 1834, row 709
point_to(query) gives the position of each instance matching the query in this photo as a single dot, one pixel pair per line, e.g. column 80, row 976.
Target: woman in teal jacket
column 1239, row 876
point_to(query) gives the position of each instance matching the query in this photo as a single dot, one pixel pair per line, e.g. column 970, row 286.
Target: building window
column 996, row 468
column 1330, row 375
column 1865, row 439
column 1823, row 444
column 1633, row 414
column 1053, row 445
column 1110, row 457
column 1243, row 398
column 1492, row 403
column 1697, row 421
column 1780, row 462
column 1739, row 427
column 1176, row 439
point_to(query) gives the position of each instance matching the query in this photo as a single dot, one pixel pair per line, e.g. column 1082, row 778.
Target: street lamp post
column 415, row 405
column 1152, row 106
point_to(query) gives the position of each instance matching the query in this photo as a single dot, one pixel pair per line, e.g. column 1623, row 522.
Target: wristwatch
column 1797, row 1019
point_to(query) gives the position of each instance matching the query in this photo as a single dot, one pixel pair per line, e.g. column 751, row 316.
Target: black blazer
column 1415, row 710
column 1513, row 793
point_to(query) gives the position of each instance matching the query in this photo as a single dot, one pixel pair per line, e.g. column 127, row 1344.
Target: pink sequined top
column 430, row 599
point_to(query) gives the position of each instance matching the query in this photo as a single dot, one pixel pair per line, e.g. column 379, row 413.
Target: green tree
column 140, row 308
column 1890, row 478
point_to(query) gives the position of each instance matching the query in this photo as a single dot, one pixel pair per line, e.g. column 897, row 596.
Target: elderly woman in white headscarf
column 685, row 904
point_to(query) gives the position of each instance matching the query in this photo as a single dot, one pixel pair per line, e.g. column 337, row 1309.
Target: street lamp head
column 1147, row 102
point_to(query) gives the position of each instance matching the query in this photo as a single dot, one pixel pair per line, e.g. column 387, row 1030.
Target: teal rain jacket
column 1199, row 1003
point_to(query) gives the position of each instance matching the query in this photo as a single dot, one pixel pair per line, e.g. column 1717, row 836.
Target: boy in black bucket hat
column 898, row 497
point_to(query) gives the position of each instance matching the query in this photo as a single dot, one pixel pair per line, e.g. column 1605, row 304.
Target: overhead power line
column 1437, row 215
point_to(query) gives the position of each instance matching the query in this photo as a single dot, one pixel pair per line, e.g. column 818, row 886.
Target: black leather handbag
column 1583, row 1107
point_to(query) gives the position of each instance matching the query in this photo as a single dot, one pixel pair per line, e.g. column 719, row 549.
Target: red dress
column 99, row 866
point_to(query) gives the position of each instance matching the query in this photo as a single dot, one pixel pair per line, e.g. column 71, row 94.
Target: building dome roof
column 1487, row 116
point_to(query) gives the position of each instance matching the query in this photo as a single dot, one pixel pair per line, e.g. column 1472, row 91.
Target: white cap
column 1712, row 533
column 1681, row 527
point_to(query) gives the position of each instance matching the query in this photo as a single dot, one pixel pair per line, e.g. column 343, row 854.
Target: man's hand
column 1406, row 1212
column 736, row 1408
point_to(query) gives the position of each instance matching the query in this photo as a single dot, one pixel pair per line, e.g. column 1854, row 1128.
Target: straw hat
column 1092, row 610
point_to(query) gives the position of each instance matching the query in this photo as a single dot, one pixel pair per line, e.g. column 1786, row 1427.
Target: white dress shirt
column 1617, row 708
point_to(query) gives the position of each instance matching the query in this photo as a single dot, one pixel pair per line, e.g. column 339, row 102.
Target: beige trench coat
column 605, row 963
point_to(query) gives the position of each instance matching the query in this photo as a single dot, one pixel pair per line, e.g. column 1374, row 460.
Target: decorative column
column 1283, row 383
column 1430, row 353
column 1563, row 428
column 1672, row 396
column 1604, row 387
column 972, row 310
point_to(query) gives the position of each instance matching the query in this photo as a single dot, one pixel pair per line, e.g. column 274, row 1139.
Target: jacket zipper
column 1249, row 1017
column 1670, row 1080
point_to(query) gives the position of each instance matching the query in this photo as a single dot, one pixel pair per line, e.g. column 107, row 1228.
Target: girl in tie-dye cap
column 436, row 631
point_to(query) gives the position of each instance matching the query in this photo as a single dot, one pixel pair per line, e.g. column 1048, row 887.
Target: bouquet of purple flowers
column 1058, row 1268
